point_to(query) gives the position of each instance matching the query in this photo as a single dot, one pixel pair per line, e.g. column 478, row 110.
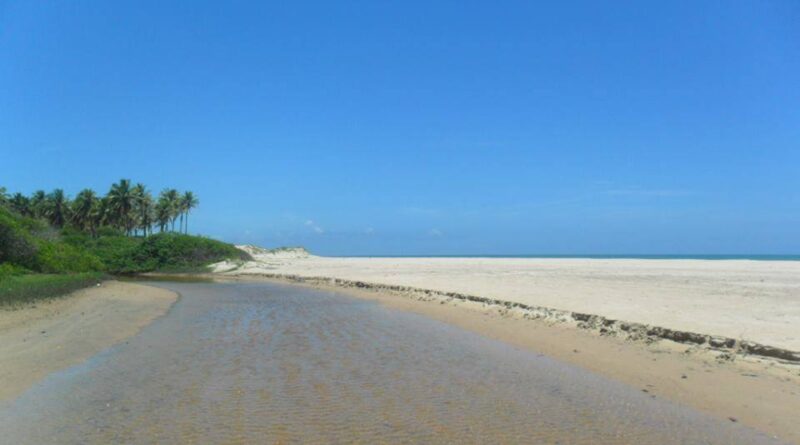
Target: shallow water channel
column 266, row 363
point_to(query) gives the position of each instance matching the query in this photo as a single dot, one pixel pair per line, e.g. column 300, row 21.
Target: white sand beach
column 757, row 301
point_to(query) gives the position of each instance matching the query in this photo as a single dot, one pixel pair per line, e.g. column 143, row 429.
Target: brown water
column 241, row 363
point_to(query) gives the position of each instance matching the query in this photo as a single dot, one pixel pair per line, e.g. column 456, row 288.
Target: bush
column 10, row 270
column 115, row 252
column 16, row 243
column 177, row 252
column 59, row 257
column 109, row 231
column 171, row 252
column 31, row 244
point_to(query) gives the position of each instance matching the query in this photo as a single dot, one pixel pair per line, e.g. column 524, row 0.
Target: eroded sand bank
column 55, row 334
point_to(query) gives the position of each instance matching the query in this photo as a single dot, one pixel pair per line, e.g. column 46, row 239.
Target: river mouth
column 237, row 362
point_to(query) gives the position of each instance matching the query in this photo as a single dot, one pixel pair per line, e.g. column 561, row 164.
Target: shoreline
column 762, row 394
column 51, row 335
column 599, row 324
column 753, row 306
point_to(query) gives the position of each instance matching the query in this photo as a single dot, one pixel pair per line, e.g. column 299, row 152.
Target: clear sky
column 421, row 127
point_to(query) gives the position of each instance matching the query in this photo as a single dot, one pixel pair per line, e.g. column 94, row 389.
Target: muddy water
column 262, row 363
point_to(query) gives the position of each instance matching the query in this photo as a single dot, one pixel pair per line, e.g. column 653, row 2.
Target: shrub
column 10, row 270
column 117, row 253
column 16, row 243
column 173, row 251
column 109, row 231
column 31, row 244
column 59, row 257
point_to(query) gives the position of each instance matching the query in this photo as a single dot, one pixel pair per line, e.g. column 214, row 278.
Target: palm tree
column 172, row 202
column 121, row 202
column 188, row 202
column 38, row 204
column 57, row 208
column 83, row 210
column 127, row 207
column 139, row 193
column 145, row 212
column 163, row 211
column 20, row 204
column 102, row 214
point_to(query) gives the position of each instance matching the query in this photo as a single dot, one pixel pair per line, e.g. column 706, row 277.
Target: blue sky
column 421, row 127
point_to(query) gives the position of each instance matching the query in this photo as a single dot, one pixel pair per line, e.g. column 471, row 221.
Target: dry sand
column 52, row 335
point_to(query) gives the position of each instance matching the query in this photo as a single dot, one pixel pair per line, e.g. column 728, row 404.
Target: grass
column 23, row 289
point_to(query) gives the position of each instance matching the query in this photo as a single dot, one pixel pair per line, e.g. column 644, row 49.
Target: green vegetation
column 164, row 252
column 127, row 208
column 50, row 245
column 21, row 289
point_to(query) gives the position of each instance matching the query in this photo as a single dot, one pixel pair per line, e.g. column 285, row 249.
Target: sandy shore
column 762, row 394
column 744, row 300
column 757, row 301
column 52, row 335
column 759, row 395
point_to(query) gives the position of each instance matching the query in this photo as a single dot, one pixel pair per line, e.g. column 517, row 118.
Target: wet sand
column 762, row 394
column 259, row 362
column 41, row 338
column 757, row 301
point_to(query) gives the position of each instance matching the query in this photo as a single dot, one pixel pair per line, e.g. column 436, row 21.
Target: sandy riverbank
column 751, row 300
column 52, row 335
column 757, row 301
column 762, row 394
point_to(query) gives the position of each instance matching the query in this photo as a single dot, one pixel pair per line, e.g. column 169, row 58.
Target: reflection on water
column 169, row 278
column 261, row 363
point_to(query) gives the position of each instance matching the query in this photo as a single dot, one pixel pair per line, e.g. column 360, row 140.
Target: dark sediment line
column 597, row 323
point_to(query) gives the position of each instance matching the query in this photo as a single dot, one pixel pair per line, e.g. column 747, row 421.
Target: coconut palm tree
column 163, row 211
column 83, row 208
column 102, row 214
column 127, row 207
column 121, row 202
column 188, row 202
column 57, row 208
column 145, row 211
column 139, row 195
column 172, row 201
column 38, row 204
column 20, row 204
